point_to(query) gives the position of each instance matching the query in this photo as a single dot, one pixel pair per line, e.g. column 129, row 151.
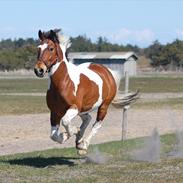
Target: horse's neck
column 59, row 73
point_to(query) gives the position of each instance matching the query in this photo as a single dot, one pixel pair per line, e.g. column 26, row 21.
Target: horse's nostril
column 41, row 71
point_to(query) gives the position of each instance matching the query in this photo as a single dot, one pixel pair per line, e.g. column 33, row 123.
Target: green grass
column 16, row 105
column 23, row 85
column 64, row 165
column 145, row 84
column 155, row 84
column 22, row 105
column 36, row 104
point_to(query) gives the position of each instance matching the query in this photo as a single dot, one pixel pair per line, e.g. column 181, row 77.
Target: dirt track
column 31, row 132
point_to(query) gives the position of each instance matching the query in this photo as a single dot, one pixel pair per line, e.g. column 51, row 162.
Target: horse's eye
column 51, row 49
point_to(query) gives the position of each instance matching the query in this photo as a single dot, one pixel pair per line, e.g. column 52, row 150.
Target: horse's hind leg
column 97, row 125
column 86, row 118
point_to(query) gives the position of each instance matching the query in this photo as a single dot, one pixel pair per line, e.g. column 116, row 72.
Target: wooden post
column 125, row 109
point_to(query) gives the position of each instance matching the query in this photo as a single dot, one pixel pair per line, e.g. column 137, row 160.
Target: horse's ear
column 53, row 36
column 52, row 33
column 41, row 35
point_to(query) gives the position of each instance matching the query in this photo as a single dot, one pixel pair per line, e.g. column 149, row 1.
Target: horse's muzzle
column 39, row 72
column 40, row 69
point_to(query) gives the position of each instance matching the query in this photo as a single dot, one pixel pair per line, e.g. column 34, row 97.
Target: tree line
column 21, row 53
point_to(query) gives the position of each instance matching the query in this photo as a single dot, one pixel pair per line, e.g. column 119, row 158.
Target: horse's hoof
column 64, row 137
column 82, row 152
column 82, row 144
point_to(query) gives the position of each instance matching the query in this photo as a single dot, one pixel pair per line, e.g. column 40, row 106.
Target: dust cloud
column 97, row 157
column 150, row 152
column 177, row 151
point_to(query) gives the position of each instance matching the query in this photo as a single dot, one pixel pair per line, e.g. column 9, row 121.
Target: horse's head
column 49, row 52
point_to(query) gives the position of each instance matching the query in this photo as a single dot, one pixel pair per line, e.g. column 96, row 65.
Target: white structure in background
column 122, row 61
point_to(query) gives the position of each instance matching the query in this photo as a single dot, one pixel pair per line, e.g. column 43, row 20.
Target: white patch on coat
column 117, row 76
column 69, row 115
column 66, row 121
column 52, row 71
column 43, row 47
column 54, row 68
column 75, row 74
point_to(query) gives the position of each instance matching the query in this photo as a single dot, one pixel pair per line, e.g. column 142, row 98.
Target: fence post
column 125, row 109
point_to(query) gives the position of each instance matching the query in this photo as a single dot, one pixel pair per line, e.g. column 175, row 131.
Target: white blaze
column 43, row 47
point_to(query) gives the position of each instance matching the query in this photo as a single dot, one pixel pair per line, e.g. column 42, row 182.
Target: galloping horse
column 73, row 90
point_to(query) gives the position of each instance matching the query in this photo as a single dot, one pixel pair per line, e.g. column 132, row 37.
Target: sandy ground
column 31, row 132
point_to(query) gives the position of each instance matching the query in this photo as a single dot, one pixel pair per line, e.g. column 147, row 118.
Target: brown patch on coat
column 108, row 91
column 87, row 93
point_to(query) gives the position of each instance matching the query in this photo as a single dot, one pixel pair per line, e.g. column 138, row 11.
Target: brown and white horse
column 73, row 90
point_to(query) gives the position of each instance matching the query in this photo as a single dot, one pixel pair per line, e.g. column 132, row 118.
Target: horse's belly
column 88, row 110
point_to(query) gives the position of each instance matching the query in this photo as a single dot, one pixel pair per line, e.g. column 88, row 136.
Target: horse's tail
column 122, row 98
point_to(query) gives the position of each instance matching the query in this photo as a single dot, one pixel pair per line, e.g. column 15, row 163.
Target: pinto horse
column 73, row 90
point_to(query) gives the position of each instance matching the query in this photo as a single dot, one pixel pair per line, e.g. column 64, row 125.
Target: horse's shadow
column 43, row 162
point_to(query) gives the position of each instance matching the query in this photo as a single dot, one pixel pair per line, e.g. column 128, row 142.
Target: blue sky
column 120, row 21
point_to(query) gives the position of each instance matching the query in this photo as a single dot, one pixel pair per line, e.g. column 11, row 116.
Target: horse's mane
column 57, row 35
column 64, row 40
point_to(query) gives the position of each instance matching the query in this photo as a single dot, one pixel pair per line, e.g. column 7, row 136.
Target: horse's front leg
column 55, row 132
column 66, row 121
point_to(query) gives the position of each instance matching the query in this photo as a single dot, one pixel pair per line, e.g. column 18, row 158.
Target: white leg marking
column 85, row 142
column 57, row 136
column 86, row 118
column 66, row 120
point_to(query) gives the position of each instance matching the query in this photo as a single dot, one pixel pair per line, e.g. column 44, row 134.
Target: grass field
column 64, row 165
column 23, row 85
column 17, row 105
column 155, row 84
column 22, row 104
column 144, row 84
column 37, row 104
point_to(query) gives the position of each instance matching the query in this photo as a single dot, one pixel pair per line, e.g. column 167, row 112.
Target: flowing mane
column 64, row 41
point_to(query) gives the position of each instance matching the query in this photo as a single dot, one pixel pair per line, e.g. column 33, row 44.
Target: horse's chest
column 55, row 102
